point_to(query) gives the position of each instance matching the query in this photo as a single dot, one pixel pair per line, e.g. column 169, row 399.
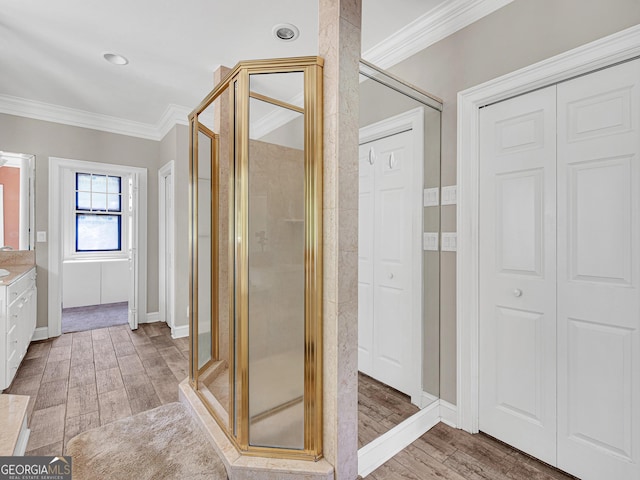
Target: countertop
column 17, row 263
column 15, row 273
column 13, row 409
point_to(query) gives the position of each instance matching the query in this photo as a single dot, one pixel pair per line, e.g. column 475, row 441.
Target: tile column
column 339, row 45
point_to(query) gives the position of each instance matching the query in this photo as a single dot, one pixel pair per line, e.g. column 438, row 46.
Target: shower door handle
column 372, row 156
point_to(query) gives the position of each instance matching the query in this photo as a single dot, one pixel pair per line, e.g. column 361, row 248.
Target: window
column 98, row 213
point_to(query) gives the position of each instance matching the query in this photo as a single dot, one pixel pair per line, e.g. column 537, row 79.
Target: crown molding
column 174, row 114
column 438, row 23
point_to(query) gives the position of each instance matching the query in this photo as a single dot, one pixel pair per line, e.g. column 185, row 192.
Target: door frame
column 57, row 166
column 166, row 229
column 602, row 53
column 410, row 120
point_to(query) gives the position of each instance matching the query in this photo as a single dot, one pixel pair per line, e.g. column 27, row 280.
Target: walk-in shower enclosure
column 255, row 256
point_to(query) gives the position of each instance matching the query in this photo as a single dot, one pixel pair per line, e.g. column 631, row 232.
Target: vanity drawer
column 12, row 345
column 18, row 287
column 13, row 362
column 18, row 309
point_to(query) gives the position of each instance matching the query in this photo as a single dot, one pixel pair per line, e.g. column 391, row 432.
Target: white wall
column 94, row 282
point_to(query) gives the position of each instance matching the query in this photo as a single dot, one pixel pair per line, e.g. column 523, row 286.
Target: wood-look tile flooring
column 380, row 408
column 446, row 453
column 86, row 379
column 443, row 453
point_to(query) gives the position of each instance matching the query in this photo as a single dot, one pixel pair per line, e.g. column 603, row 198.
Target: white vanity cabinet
column 18, row 311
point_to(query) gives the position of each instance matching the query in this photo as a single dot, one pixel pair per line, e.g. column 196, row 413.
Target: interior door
column 366, row 239
column 517, row 273
column 385, row 263
column 133, row 250
column 599, row 274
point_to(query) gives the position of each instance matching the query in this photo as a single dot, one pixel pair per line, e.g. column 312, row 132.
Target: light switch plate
column 431, row 197
column 449, row 195
column 449, row 241
column 41, row 237
column 430, row 241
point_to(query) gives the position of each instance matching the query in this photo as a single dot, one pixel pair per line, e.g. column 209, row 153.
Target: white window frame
column 69, row 217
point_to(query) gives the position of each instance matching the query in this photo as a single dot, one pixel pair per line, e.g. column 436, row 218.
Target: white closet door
column 599, row 274
column 517, row 273
column 366, row 237
column 385, row 261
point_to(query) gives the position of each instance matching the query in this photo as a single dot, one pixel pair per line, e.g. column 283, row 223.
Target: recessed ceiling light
column 286, row 32
column 115, row 59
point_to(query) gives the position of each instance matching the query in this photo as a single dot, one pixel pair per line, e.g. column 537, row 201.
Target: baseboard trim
column 41, row 333
column 180, row 332
column 427, row 399
column 151, row 317
column 376, row 453
column 448, row 414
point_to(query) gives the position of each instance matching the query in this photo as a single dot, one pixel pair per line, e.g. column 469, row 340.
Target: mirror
column 17, row 175
column 398, row 277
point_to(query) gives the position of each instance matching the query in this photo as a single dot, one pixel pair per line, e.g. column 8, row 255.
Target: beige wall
column 522, row 33
column 46, row 139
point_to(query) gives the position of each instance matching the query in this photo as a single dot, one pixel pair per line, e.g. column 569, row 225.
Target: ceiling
column 52, row 51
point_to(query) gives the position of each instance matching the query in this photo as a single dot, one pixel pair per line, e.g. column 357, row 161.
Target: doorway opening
column 97, row 220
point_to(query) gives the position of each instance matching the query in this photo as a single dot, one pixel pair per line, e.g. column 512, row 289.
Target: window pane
column 99, row 201
column 114, row 185
column 83, row 181
column 97, row 232
column 99, row 183
column 83, row 201
column 114, row 203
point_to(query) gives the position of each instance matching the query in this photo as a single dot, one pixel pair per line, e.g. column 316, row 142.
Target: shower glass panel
column 205, row 150
column 276, row 262
column 256, row 256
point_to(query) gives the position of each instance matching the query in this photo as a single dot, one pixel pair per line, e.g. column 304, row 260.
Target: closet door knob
column 517, row 292
column 372, row 156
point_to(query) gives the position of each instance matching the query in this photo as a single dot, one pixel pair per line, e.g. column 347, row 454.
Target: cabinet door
column 517, row 273
column 599, row 274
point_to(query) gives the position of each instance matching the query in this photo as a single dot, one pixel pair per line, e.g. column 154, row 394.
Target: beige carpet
column 163, row 443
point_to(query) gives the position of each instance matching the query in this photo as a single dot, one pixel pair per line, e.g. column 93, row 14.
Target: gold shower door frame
column 236, row 86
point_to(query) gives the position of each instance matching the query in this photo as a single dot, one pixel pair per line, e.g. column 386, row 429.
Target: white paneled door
column 518, row 270
column 385, row 290
column 599, row 274
column 560, row 273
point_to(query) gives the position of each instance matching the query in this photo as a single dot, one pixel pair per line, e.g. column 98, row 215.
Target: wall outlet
column 449, row 241
column 430, row 241
column 41, row 237
column 431, row 197
column 449, row 195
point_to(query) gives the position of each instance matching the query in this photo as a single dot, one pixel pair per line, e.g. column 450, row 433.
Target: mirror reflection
column 398, row 271
column 16, row 207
